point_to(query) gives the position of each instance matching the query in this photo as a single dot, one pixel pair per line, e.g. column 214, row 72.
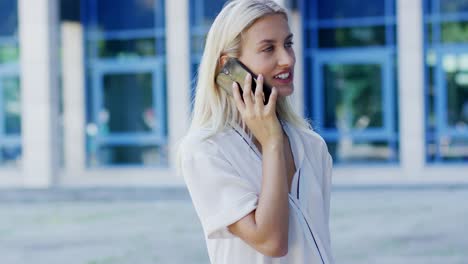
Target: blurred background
column 95, row 94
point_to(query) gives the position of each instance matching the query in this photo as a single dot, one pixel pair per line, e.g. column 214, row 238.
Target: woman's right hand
column 260, row 119
column 267, row 227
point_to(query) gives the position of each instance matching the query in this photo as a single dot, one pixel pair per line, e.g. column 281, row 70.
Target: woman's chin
column 284, row 91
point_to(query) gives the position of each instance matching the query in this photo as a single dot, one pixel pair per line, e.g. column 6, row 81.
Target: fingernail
column 260, row 77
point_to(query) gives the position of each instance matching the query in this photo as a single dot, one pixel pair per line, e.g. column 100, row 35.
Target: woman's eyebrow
column 269, row 41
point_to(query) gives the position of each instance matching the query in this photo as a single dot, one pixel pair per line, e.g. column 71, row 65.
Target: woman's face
column 266, row 48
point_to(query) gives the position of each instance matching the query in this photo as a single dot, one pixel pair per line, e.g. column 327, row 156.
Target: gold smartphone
column 235, row 71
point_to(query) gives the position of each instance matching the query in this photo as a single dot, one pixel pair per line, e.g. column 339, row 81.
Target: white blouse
column 223, row 174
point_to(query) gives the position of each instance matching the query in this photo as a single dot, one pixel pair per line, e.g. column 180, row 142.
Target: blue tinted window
column 352, row 37
column 446, row 59
column 350, row 50
column 335, row 9
column 454, row 6
column 212, row 8
column 203, row 13
column 125, row 14
column 126, row 114
column 8, row 17
column 427, row 6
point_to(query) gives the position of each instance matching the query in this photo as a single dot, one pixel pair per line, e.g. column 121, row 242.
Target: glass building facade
column 446, row 82
column 202, row 13
column 10, row 99
column 137, row 65
column 126, row 86
column 350, row 67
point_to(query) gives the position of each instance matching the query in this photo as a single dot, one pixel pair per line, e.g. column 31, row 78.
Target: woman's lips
column 284, row 81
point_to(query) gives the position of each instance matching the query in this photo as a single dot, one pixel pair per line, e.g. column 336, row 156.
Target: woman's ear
column 222, row 60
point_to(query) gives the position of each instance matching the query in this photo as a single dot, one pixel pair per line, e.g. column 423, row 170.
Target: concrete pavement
column 368, row 225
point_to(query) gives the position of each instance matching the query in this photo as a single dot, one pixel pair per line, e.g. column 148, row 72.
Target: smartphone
column 235, row 71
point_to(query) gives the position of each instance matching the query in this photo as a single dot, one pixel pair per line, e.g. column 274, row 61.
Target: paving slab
column 416, row 226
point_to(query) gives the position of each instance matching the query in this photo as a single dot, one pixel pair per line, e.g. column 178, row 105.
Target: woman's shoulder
column 204, row 141
column 311, row 137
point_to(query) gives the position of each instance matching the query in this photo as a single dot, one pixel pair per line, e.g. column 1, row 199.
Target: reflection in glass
column 197, row 43
column 128, row 103
column 132, row 48
column 453, row 149
column 456, row 74
column 137, row 14
column 453, row 6
column 336, row 9
column 454, row 32
column 9, row 18
column 211, row 10
column 130, row 155
column 352, row 37
column 427, row 7
column 11, row 105
column 347, row 150
column 353, row 96
column 9, row 53
column 10, row 156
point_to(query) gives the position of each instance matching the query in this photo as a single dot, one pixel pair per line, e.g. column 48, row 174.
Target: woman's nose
column 286, row 58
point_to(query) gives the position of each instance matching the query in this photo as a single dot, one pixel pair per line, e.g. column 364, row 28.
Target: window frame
column 97, row 67
column 434, row 17
column 315, row 56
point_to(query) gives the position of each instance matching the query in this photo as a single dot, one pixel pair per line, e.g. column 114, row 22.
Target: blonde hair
column 214, row 108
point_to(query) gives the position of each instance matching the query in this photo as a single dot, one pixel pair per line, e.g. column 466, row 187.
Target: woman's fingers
column 247, row 92
column 271, row 106
column 237, row 97
column 259, row 92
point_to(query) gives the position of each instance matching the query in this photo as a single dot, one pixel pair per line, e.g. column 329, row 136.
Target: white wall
column 38, row 31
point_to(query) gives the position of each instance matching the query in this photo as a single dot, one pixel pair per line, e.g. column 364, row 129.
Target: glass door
column 129, row 115
column 451, row 105
column 354, row 104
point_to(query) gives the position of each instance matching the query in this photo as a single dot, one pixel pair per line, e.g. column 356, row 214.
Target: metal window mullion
column 388, row 103
column 198, row 11
column 8, row 40
column 390, row 22
column 439, row 104
column 159, row 26
column 159, row 14
column 97, row 97
column 91, row 26
column 159, row 100
column 426, row 89
column 2, row 113
column 370, row 134
column 436, row 28
column 452, row 17
column 318, row 93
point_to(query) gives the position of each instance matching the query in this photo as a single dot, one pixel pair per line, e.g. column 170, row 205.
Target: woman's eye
column 289, row 44
column 268, row 49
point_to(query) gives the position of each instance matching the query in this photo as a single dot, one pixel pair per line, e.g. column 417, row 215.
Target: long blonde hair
column 214, row 109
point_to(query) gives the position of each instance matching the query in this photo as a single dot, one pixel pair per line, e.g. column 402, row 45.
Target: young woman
column 258, row 176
